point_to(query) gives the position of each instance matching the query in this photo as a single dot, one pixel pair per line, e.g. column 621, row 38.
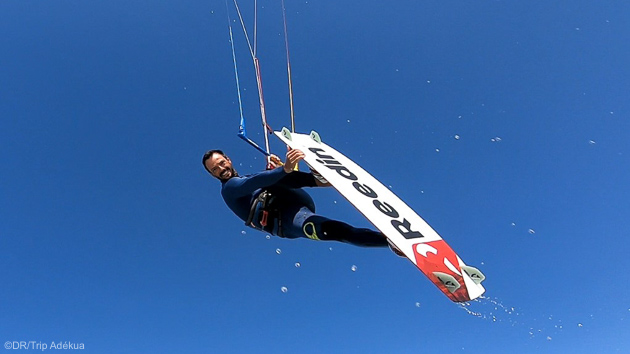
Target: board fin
column 315, row 136
column 474, row 274
column 286, row 133
column 448, row 280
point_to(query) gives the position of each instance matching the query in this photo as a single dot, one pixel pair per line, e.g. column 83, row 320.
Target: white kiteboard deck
column 403, row 227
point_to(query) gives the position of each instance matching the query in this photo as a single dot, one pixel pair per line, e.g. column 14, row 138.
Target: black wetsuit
column 296, row 209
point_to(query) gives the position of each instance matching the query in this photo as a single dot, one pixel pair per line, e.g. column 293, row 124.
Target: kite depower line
column 242, row 131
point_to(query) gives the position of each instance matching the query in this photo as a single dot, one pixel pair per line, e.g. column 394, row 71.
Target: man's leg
column 302, row 222
column 322, row 228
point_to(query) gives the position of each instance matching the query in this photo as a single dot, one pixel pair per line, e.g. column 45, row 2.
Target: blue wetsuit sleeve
column 241, row 186
column 298, row 179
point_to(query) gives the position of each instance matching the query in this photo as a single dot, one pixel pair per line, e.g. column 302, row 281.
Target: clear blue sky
column 489, row 118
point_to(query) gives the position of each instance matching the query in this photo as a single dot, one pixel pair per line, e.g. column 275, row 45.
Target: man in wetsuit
column 274, row 201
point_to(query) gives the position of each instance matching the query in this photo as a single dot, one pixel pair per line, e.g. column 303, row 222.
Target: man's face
column 220, row 167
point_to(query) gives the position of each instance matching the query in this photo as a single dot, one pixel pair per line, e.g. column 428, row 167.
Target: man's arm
column 299, row 179
column 240, row 186
column 322, row 184
column 293, row 158
column 320, row 181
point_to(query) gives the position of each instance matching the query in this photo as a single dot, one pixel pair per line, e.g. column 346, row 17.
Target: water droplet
column 330, row 248
column 243, row 232
column 592, row 142
column 268, row 237
column 579, row 325
column 297, row 265
column 417, row 304
column 284, row 289
column 353, row 268
column 548, row 338
column 456, row 137
column 428, row 81
column 513, row 224
column 278, row 251
column 348, row 121
column 531, row 231
column 437, row 150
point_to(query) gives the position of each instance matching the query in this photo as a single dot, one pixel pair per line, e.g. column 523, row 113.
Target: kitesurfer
column 274, row 201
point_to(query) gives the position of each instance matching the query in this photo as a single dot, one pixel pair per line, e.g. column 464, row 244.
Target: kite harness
column 267, row 212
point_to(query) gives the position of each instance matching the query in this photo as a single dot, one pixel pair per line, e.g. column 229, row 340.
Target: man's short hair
column 208, row 155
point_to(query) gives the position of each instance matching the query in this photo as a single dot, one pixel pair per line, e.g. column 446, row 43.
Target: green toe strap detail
column 312, row 234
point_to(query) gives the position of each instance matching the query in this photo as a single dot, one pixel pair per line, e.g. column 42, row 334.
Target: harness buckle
column 263, row 220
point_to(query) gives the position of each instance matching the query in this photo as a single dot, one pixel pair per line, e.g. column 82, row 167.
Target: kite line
column 253, row 50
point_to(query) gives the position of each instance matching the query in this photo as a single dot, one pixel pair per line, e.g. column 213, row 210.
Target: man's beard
column 226, row 176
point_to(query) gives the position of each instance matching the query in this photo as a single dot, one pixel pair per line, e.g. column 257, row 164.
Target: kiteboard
column 398, row 222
